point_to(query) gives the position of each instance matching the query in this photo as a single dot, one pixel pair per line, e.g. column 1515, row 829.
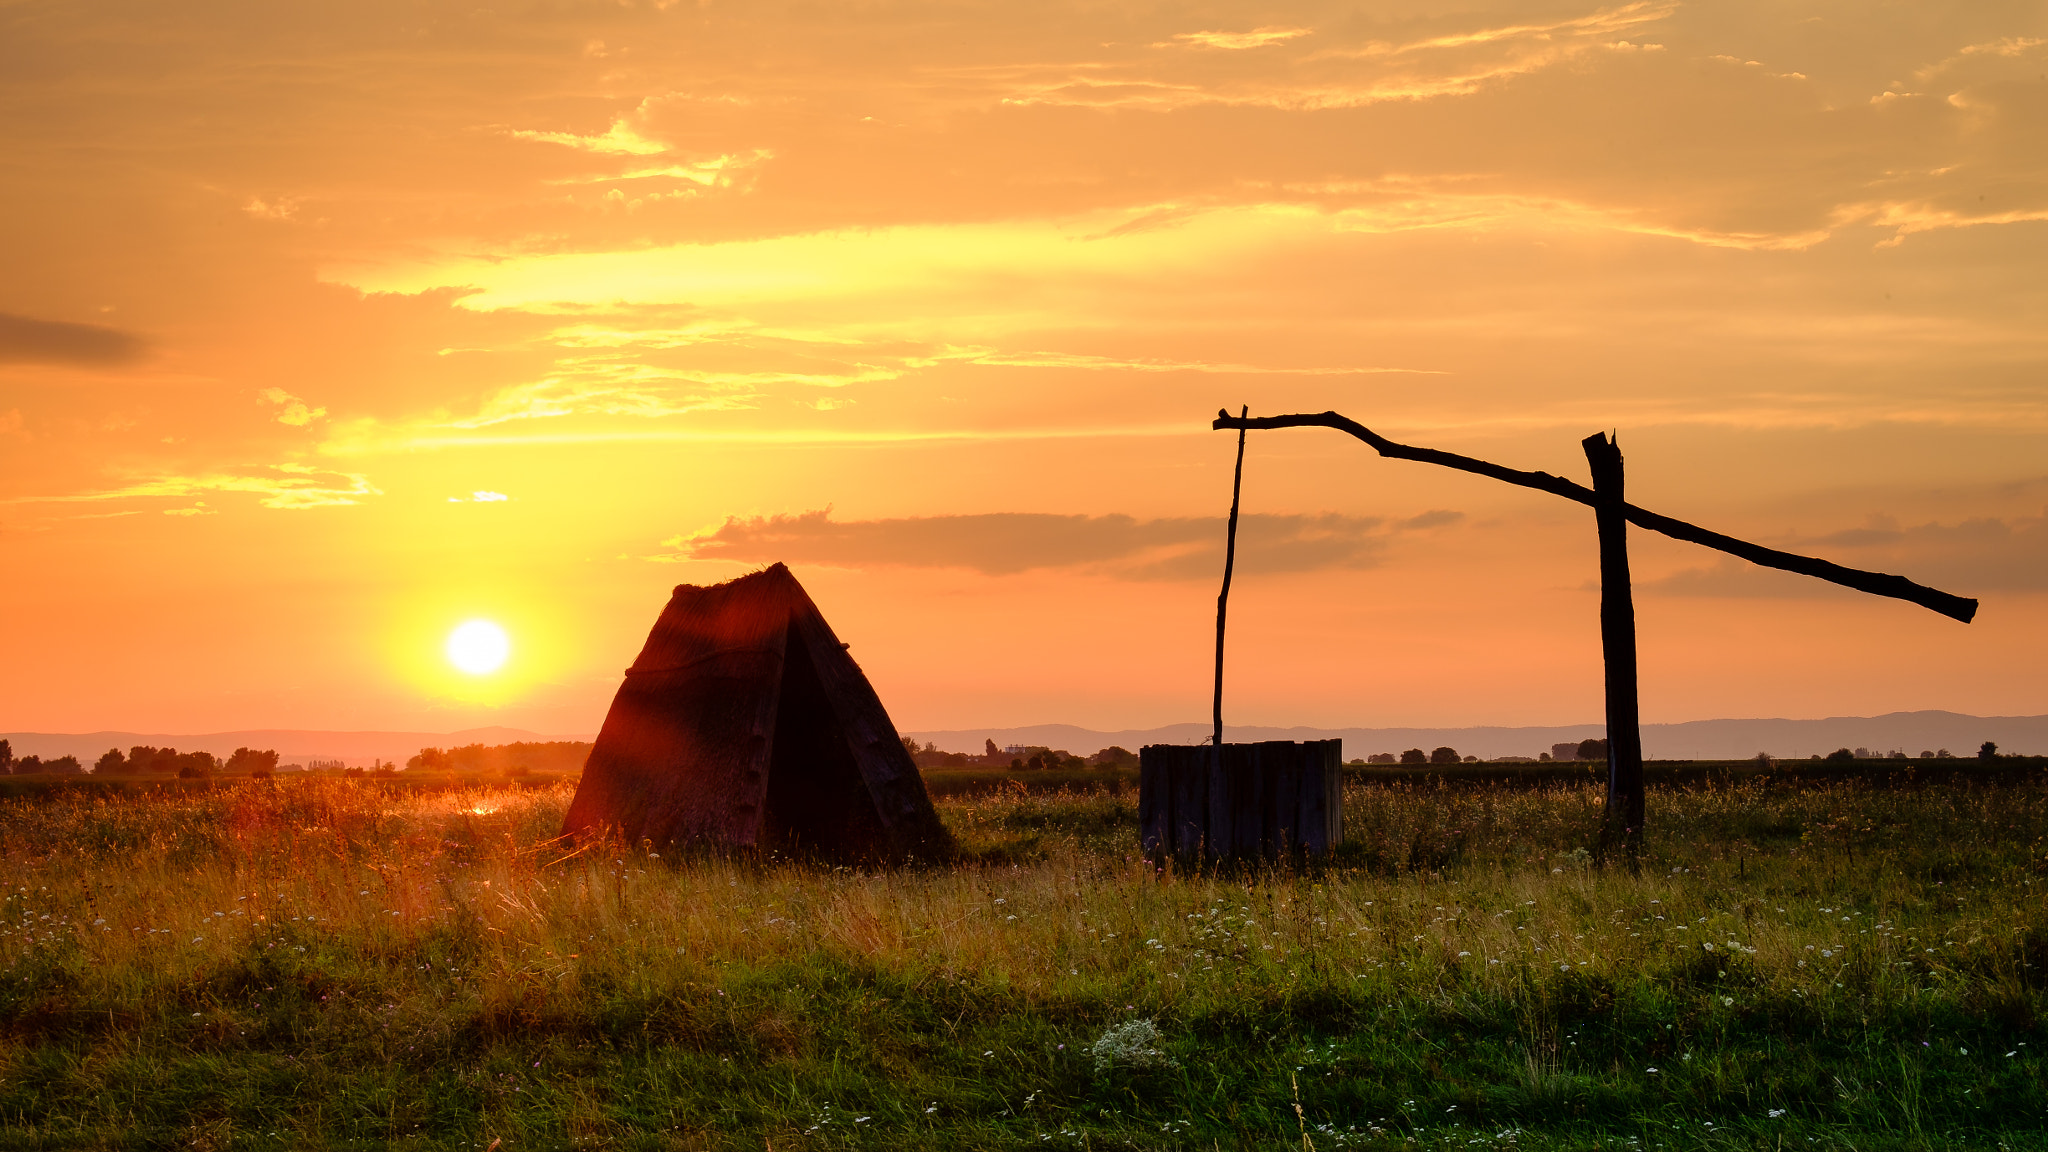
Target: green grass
column 328, row 963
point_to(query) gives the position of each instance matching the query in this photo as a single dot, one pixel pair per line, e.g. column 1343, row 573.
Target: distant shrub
column 1841, row 755
column 253, row 762
column 1381, row 758
column 1445, row 755
column 1415, row 756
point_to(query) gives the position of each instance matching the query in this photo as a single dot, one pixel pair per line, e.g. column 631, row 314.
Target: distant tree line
column 1595, row 751
column 28, row 765
column 1027, row 759
column 1443, row 755
column 514, row 759
column 143, row 760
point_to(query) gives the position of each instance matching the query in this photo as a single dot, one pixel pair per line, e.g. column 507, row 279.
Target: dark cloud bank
column 24, row 340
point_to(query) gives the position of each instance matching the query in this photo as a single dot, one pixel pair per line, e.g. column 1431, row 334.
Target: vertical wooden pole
column 1618, row 646
column 1223, row 597
column 1217, row 770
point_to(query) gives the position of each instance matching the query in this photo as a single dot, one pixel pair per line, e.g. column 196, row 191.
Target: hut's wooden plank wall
column 1257, row 801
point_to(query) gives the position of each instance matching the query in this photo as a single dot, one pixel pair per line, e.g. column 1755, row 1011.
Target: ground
column 1839, row 963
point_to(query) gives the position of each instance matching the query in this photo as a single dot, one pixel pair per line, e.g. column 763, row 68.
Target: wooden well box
column 1266, row 801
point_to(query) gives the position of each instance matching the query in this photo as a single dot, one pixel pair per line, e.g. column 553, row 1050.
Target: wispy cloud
column 292, row 487
column 997, row 358
column 1345, row 76
column 621, row 139
column 1005, row 543
column 713, row 170
column 1594, row 25
column 1256, row 38
column 291, row 409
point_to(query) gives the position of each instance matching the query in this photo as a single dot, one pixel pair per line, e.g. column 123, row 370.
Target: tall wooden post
column 1618, row 646
column 1223, row 597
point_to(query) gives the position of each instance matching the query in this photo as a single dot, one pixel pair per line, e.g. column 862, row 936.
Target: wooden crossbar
column 1876, row 583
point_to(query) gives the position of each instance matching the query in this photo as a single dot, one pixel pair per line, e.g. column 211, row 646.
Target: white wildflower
column 1134, row 1044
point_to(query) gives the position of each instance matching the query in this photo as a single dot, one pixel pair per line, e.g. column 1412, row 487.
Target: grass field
column 328, row 963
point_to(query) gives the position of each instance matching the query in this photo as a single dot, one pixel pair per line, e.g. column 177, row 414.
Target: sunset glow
column 325, row 330
column 478, row 647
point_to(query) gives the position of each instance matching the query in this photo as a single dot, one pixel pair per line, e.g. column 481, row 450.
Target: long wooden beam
column 1876, row 583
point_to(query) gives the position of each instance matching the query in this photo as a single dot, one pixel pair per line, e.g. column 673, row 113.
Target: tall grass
column 324, row 962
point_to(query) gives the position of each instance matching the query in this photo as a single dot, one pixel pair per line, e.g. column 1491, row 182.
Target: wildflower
column 1134, row 1044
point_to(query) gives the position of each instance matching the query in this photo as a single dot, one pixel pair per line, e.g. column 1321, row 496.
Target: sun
column 478, row 647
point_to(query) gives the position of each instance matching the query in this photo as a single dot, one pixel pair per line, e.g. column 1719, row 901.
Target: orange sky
column 935, row 301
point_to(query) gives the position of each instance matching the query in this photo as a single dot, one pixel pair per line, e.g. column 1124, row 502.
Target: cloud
column 622, row 139
column 286, row 486
column 1000, row 359
column 1427, row 67
column 1256, row 38
column 28, row 341
column 480, row 497
column 1005, row 543
column 1974, row 556
column 717, row 170
column 292, row 410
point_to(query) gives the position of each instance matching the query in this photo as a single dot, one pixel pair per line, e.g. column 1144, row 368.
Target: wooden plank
column 1155, row 800
column 1288, row 779
column 1247, row 838
column 1333, row 783
column 1190, row 802
column 1222, row 802
column 1311, row 821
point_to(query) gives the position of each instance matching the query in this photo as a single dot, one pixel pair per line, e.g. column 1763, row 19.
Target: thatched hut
column 745, row 724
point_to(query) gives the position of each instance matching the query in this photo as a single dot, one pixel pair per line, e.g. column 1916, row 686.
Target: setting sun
column 478, row 647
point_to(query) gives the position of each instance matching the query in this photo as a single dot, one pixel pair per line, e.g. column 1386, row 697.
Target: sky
column 325, row 329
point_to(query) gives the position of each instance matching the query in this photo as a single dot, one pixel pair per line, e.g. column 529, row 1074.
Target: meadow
column 306, row 963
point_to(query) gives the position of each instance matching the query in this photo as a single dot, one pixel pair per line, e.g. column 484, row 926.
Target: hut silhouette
column 744, row 724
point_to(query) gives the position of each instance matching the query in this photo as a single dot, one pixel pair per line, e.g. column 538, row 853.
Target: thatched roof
column 745, row 724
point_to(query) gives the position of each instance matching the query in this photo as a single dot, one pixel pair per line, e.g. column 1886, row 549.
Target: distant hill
column 293, row 745
column 1913, row 732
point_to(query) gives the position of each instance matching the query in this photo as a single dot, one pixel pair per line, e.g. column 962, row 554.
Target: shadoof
column 1196, row 802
